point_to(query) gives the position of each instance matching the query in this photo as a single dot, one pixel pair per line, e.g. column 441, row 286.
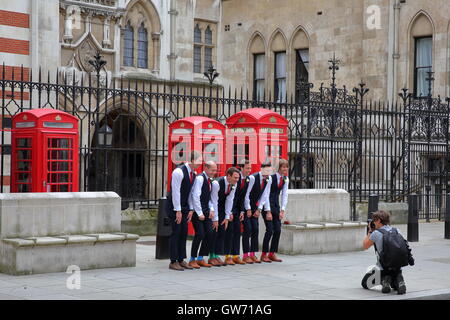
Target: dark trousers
column 273, row 232
column 203, row 235
column 395, row 277
column 233, row 236
column 177, row 241
column 250, row 236
column 218, row 241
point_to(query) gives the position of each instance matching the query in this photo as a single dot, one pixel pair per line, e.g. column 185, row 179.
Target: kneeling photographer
column 392, row 252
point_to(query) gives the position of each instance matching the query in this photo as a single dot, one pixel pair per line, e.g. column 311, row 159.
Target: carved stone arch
column 421, row 25
column 256, row 45
column 300, row 40
column 277, row 43
column 143, row 11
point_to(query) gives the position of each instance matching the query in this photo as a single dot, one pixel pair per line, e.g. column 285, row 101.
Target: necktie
column 209, row 184
column 191, row 176
column 262, row 184
column 228, row 189
column 281, row 183
column 242, row 183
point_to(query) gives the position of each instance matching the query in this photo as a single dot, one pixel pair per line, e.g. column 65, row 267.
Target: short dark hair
column 266, row 164
column 231, row 171
column 242, row 163
column 383, row 216
column 194, row 155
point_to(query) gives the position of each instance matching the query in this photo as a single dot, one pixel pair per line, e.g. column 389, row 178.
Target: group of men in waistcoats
column 218, row 207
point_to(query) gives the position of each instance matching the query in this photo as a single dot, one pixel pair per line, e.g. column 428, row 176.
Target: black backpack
column 395, row 252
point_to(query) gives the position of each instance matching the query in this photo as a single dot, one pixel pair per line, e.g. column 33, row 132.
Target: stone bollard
column 447, row 217
column 163, row 232
column 413, row 218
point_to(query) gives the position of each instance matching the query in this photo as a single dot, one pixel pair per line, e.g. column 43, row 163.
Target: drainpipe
column 396, row 56
column 173, row 24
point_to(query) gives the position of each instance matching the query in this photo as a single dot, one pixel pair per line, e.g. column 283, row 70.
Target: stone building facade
column 265, row 47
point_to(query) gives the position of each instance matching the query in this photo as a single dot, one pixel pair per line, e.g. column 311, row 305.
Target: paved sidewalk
column 326, row 276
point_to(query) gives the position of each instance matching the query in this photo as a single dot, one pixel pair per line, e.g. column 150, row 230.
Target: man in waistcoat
column 273, row 213
column 233, row 232
column 180, row 209
column 222, row 197
column 202, row 220
column 257, row 195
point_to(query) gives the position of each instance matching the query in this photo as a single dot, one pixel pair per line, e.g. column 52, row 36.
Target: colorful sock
column 192, row 259
column 235, row 256
column 211, row 256
column 271, row 254
column 199, row 258
column 263, row 254
column 227, row 256
column 246, row 255
column 252, row 254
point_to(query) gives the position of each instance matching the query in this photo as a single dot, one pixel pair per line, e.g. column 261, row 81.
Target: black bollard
column 447, row 217
column 413, row 218
column 163, row 231
column 372, row 208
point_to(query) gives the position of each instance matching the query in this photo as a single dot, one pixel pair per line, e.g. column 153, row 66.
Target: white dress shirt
column 264, row 197
column 284, row 192
column 215, row 199
column 177, row 178
column 196, row 193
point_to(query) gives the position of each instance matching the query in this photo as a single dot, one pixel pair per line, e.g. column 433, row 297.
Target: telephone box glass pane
column 23, row 143
column 23, row 166
column 179, row 153
column 24, row 154
column 24, row 177
column 23, row 188
column 211, row 152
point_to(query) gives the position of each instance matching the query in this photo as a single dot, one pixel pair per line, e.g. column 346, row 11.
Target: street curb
column 442, row 294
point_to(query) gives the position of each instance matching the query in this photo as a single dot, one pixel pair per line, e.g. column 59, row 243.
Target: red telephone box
column 256, row 134
column 196, row 133
column 44, row 151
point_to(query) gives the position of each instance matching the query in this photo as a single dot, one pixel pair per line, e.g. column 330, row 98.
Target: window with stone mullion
column 142, row 47
column 128, row 50
column 423, row 65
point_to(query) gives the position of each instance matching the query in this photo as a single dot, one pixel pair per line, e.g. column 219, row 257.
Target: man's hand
column 257, row 213
column 178, row 217
column 249, row 213
column 269, row 216
column 241, row 216
column 231, row 217
column 225, row 223
column 215, row 225
column 211, row 214
column 281, row 214
column 202, row 217
column 189, row 217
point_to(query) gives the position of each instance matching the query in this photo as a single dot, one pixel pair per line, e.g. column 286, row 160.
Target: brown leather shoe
column 202, row 263
column 194, row 264
column 176, row 266
column 265, row 259
column 221, row 262
column 255, row 259
column 248, row 260
column 229, row 262
column 273, row 257
column 184, row 265
column 238, row 260
column 214, row 262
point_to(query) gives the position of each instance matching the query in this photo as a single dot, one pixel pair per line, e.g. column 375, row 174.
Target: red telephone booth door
column 61, row 152
column 22, row 164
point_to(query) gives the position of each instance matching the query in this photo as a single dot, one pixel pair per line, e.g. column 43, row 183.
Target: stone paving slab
column 311, row 277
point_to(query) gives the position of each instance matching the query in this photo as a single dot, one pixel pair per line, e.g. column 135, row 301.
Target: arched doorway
column 118, row 160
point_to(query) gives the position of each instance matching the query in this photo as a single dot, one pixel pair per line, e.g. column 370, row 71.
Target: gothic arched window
column 142, row 47
column 128, row 52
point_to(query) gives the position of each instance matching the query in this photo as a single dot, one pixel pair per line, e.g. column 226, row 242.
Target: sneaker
column 386, row 284
column 400, row 284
